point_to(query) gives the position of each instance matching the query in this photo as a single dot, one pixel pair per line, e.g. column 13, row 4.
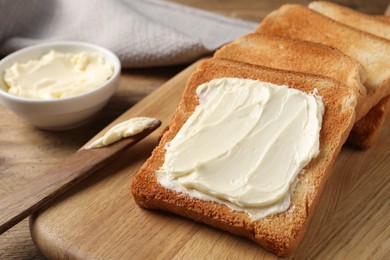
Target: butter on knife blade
column 125, row 129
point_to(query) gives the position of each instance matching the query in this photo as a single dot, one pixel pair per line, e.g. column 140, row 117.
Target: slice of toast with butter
column 278, row 232
column 299, row 22
column 367, row 130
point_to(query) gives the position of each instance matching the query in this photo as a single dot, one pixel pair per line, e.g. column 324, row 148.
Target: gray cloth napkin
column 142, row 33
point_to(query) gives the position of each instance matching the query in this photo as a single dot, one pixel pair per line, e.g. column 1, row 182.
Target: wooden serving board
column 99, row 219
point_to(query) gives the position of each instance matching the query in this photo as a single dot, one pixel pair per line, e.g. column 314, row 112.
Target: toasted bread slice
column 299, row 22
column 279, row 233
column 364, row 133
column 300, row 56
column 361, row 21
column 354, row 43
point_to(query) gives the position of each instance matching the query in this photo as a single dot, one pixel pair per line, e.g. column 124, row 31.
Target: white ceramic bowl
column 65, row 113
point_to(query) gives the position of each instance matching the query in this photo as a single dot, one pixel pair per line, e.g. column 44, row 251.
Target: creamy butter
column 122, row 130
column 244, row 145
column 58, row 75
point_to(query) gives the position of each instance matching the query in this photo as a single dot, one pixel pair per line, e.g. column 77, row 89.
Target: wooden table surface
column 25, row 152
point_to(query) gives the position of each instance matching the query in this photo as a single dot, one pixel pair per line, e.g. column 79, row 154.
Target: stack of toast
column 370, row 50
column 329, row 53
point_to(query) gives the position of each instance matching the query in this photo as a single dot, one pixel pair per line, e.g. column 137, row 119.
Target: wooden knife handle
column 55, row 181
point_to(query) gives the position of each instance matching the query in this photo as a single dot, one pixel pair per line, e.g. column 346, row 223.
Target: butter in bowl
column 59, row 85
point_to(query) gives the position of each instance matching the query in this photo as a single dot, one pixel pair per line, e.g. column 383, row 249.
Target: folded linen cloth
column 142, row 33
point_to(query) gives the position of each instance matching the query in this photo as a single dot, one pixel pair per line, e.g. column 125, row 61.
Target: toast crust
column 383, row 19
column 279, row 233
